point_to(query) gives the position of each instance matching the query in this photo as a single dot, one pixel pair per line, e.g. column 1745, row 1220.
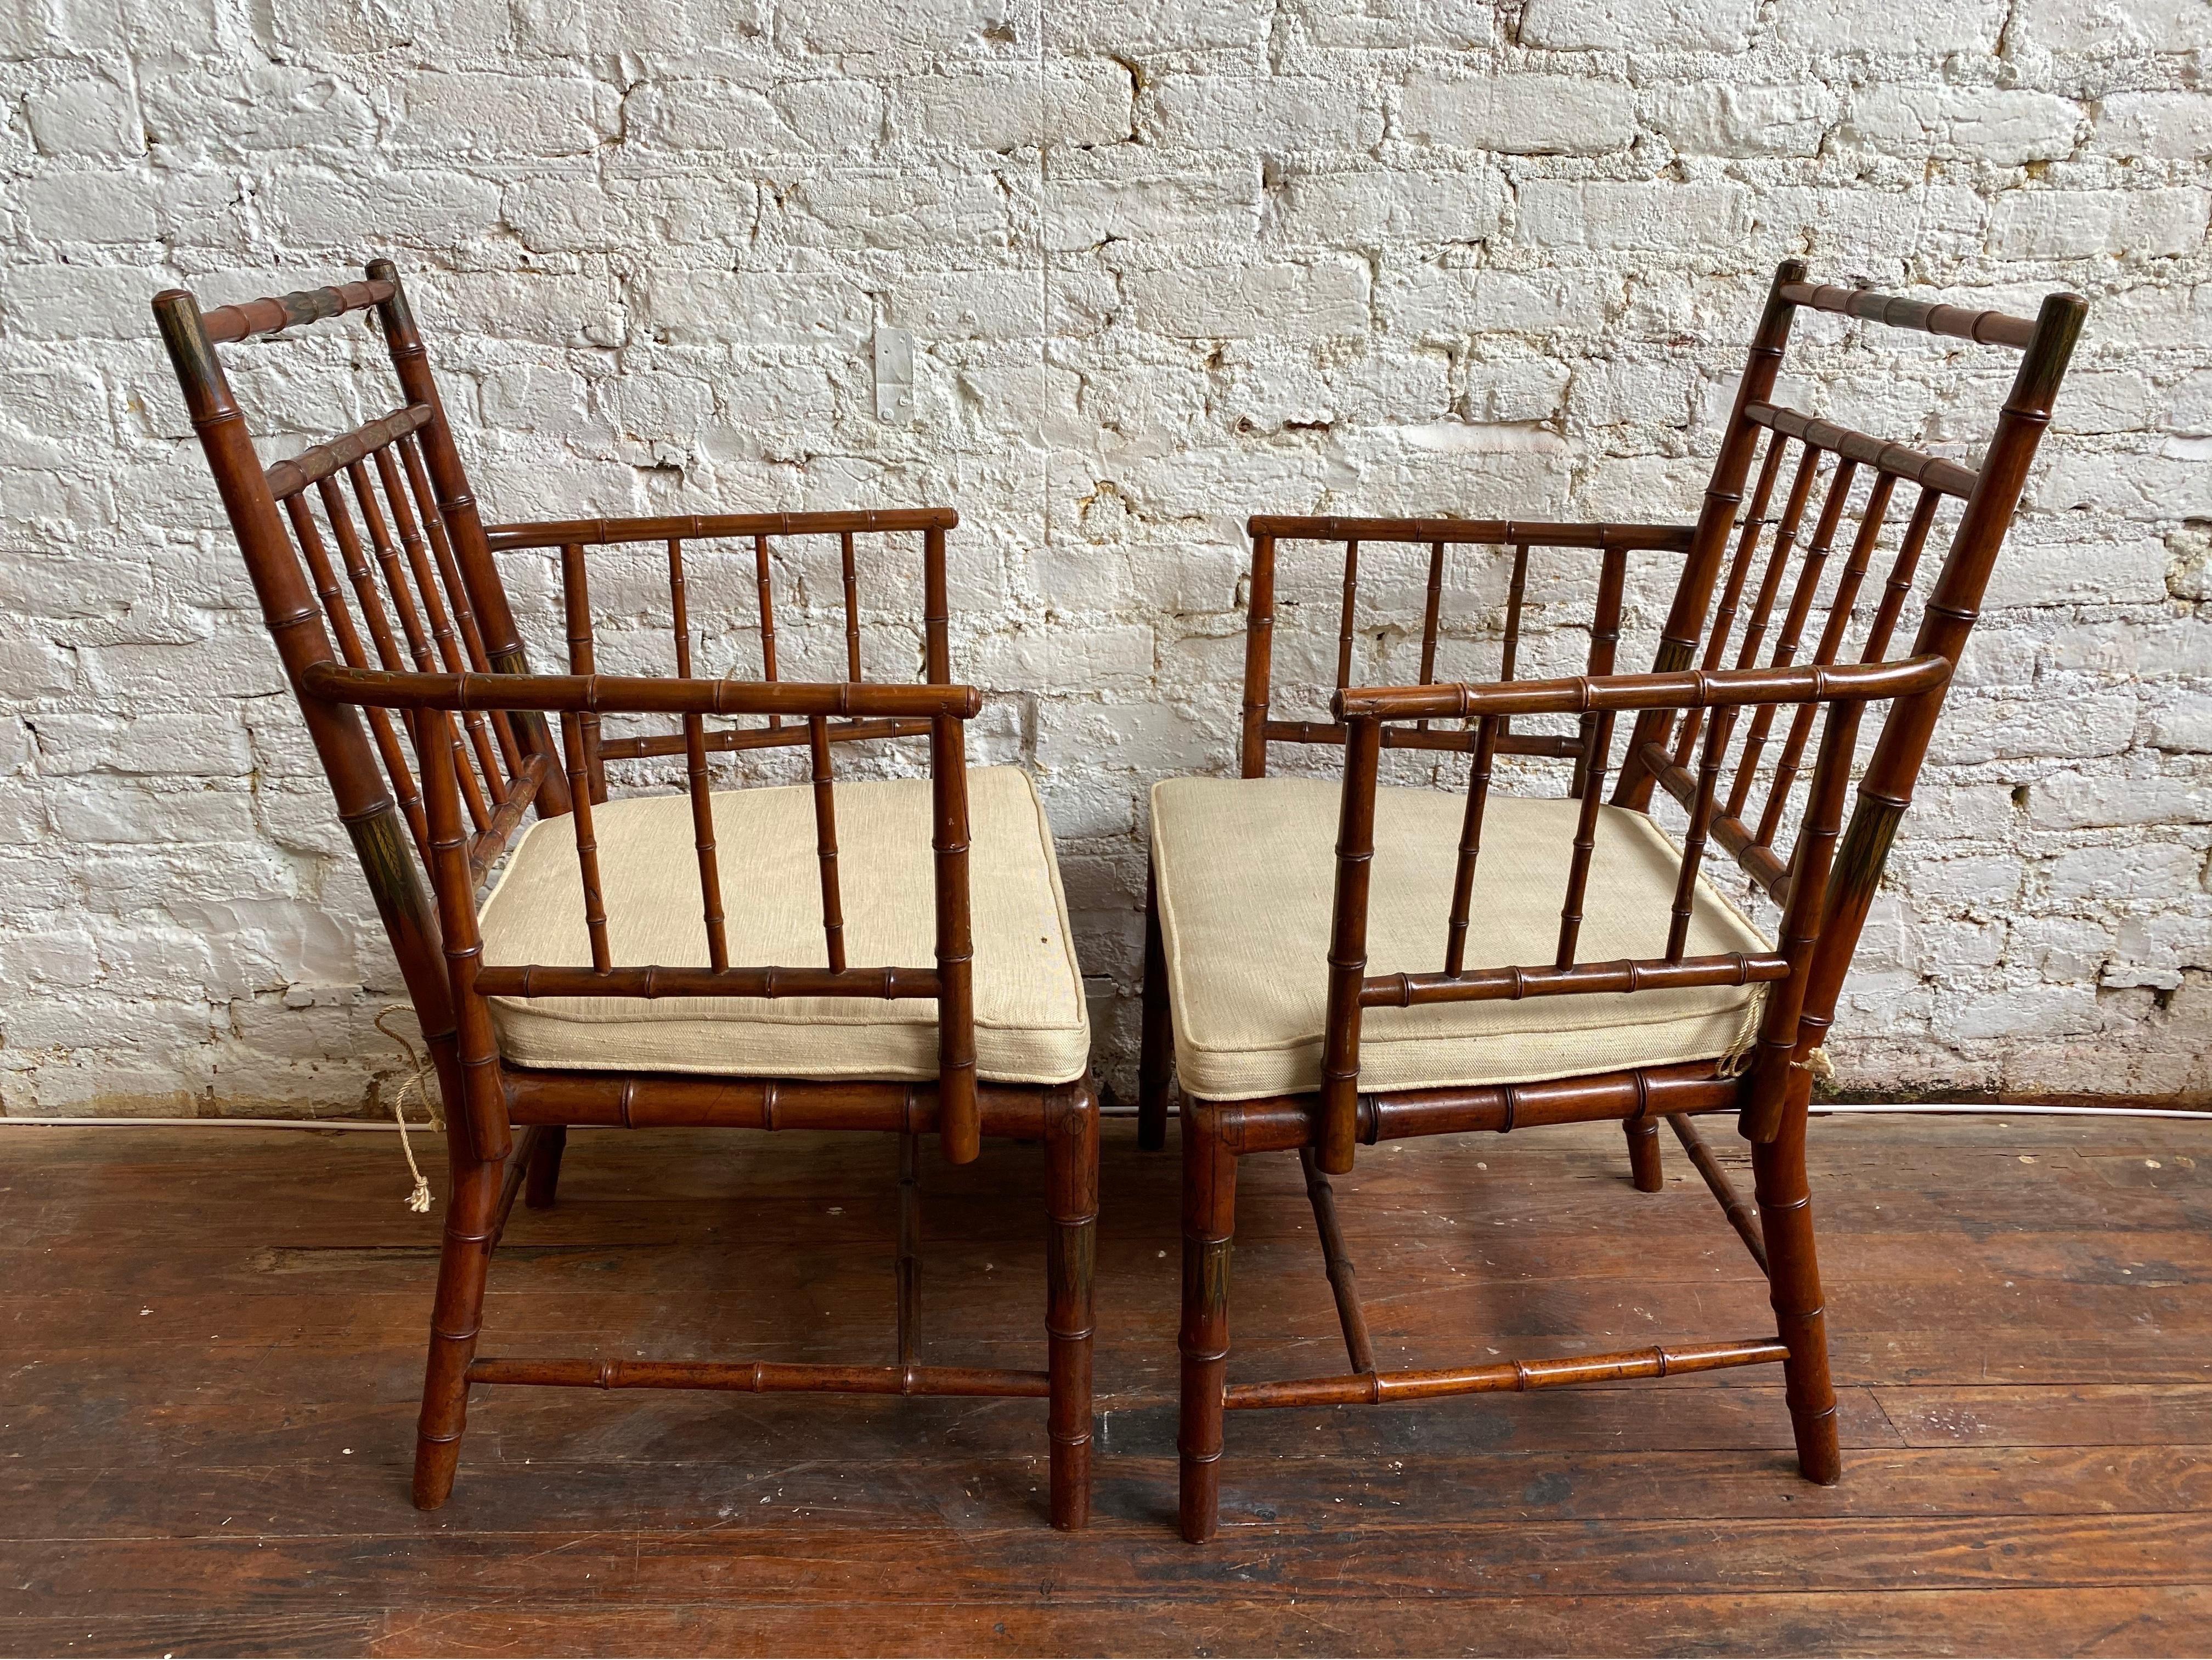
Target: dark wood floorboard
column 213, row 1339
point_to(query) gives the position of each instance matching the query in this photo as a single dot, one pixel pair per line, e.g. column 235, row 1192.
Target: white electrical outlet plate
column 895, row 375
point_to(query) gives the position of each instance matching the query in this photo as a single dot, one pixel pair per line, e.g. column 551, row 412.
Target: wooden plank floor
column 212, row 1343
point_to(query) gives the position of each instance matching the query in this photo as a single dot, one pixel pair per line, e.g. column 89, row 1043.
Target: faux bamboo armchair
column 1504, row 961
column 606, row 981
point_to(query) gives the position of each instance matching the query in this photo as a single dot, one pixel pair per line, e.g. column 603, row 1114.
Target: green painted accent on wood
column 386, row 859
column 1865, row 850
column 1206, row 1273
column 178, row 316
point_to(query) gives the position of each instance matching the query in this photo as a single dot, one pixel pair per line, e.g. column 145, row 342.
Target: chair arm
column 620, row 694
column 599, row 532
column 1505, row 532
column 1689, row 688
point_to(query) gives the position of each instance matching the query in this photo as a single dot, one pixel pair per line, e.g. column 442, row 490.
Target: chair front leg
column 1157, row 1055
column 1644, row 1166
column 1072, row 1182
column 1209, row 1222
column 1785, row 1220
column 464, row 1257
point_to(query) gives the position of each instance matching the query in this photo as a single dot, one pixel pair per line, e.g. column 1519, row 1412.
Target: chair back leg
column 464, row 1260
column 1785, row 1220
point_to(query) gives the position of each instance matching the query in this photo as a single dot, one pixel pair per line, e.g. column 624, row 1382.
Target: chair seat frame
column 438, row 749
column 1823, row 887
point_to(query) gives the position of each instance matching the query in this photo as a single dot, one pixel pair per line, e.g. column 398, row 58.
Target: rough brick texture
column 1165, row 264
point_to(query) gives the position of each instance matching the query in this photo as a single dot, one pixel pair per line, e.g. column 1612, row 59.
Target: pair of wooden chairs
column 1526, row 961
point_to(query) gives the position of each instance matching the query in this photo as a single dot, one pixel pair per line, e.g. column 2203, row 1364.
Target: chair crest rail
column 1988, row 328
column 225, row 324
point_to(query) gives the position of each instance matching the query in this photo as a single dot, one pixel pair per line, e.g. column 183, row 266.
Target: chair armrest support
column 618, row 694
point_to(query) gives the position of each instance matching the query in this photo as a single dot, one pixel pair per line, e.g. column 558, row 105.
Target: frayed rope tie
column 419, row 1199
column 1735, row 1060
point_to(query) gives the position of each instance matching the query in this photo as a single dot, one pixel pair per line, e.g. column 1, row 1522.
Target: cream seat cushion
column 1246, row 873
column 1031, row 1023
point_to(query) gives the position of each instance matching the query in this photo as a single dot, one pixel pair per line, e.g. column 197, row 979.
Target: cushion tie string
column 1735, row 1060
column 418, row 1199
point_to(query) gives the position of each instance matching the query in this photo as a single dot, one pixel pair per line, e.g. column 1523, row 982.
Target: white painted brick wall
column 1165, row 264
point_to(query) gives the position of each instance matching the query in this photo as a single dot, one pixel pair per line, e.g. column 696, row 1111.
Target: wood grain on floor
column 213, row 1341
